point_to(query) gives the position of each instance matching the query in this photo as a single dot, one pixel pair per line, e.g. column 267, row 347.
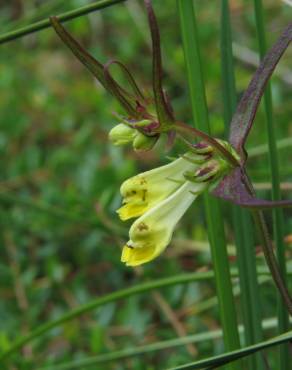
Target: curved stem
column 271, row 259
column 268, row 250
column 184, row 128
column 141, row 350
column 120, row 294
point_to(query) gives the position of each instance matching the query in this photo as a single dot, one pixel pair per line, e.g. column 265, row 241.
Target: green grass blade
column 284, row 356
column 149, row 348
column 249, row 287
column 214, row 217
column 241, row 218
column 264, row 148
column 112, row 297
column 98, row 302
column 136, row 351
column 45, row 23
column 216, row 361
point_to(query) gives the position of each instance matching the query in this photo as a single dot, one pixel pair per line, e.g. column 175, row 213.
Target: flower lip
column 151, row 233
column 160, row 197
column 145, row 190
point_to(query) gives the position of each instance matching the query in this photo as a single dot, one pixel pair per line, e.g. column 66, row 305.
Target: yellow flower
column 151, row 233
column 145, row 190
column 160, row 197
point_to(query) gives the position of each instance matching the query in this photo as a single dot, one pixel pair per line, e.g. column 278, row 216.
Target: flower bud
column 208, row 172
column 122, row 134
column 143, row 142
column 202, row 148
column 143, row 123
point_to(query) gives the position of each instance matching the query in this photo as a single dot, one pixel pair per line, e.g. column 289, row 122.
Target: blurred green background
column 59, row 181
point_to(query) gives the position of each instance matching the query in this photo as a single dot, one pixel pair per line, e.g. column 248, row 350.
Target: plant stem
column 45, row 23
column 284, row 362
column 214, row 218
column 270, row 258
column 249, row 298
column 268, row 249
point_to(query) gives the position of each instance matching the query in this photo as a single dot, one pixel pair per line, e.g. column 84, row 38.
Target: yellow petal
column 129, row 211
column 145, row 190
column 151, row 233
column 137, row 256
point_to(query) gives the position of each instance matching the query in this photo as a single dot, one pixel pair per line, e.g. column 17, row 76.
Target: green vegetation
column 65, row 296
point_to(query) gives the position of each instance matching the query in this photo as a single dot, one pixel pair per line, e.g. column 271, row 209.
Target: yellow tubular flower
column 151, row 233
column 145, row 190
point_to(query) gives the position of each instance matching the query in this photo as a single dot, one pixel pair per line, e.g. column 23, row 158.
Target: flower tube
column 151, row 233
column 145, row 190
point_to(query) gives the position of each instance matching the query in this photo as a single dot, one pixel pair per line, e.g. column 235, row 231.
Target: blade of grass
column 284, row 362
column 217, row 361
column 264, row 149
column 249, row 287
column 148, row 348
column 45, row 23
column 250, row 300
column 214, row 217
column 87, row 217
column 120, row 294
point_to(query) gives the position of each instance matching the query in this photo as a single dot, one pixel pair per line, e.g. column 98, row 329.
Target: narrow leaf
column 137, row 92
column 162, row 106
column 216, row 361
column 99, row 301
column 94, row 66
column 127, row 99
column 244, row 116
column 233, row 188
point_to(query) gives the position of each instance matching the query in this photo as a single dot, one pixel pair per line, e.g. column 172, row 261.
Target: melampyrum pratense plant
column 158, row 198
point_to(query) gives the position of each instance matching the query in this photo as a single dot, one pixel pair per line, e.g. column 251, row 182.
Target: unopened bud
column 209, row 172
column 122, row 134
column 195, row 158
column 143, row 123
column 143, row 142
column 202, row 148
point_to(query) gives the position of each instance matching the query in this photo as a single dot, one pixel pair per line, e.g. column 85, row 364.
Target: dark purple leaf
column 135, row 102
column 235, row 188
column 94, row 66
column 244, row 116
column 138, row 95
column 162, row 107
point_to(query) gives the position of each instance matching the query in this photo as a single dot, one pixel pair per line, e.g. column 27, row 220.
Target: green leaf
column 216, row 361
